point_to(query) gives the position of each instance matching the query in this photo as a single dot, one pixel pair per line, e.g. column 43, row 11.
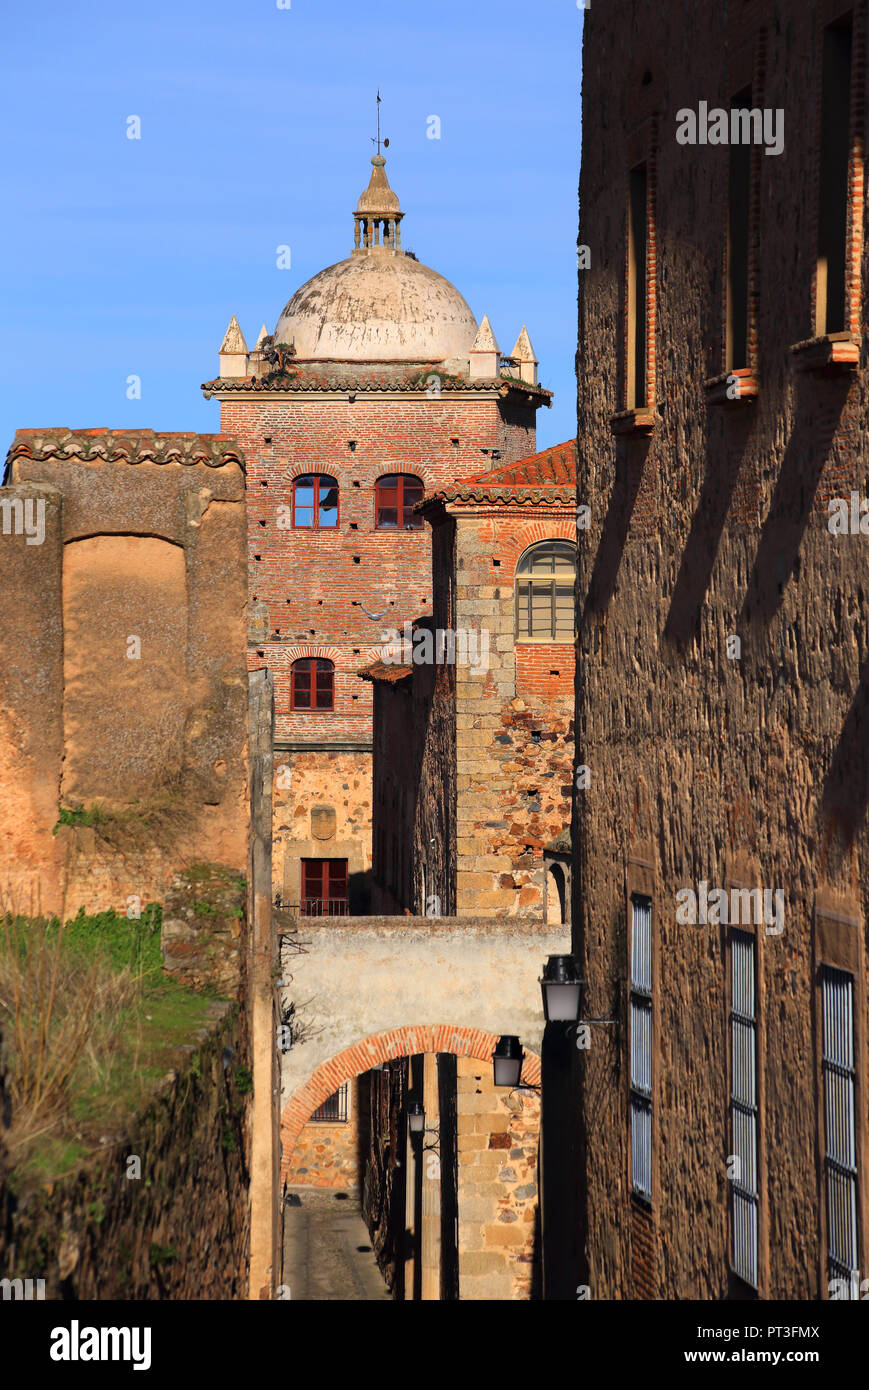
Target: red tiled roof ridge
column 298, row 381
column 552, row 467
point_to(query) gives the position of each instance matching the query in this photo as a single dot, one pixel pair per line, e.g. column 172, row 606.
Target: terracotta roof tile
column 383, row 671
column 128, row 446
column 549, row 476
column 417, row 380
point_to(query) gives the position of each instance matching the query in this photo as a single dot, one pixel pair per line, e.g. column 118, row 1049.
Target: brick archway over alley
column 358, row 984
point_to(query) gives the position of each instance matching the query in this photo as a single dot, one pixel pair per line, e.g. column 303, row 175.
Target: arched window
column 556, row 900
column 315, row 501
column 396, row 495
column 544, row 593
column 312, row 684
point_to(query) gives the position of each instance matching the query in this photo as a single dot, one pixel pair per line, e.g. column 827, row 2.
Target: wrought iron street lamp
column 561, row 985
column 507, row 1060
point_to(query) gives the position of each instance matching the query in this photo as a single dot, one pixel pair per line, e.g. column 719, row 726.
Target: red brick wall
column 313, row 588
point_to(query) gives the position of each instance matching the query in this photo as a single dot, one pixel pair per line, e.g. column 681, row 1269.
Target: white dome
column 380, row 305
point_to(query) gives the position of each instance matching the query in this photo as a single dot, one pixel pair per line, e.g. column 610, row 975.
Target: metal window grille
column 335, row 1108
column 641, row 1046
column 743, row 1103
column 840, row 1136
column 324, row 888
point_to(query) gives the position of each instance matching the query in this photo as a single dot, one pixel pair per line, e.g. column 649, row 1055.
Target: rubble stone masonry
column 724, row 663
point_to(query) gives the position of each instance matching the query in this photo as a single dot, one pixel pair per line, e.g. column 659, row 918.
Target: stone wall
column 384, row 1190
column 714, row 760
column 499, row 1255
column 496, row 1138
column 327, row 1153
column 473, row 768
column 180, row 1230
column 203, row 934
column 514, row 751
column 322, row 810
column 123, row 676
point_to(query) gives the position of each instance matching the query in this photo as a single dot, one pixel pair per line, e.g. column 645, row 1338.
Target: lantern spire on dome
column 378, row 213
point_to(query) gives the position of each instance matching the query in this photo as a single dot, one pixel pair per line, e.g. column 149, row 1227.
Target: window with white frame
column 744, row 1104
column 545, row 605
column 840, row 1133
column 641, row 1046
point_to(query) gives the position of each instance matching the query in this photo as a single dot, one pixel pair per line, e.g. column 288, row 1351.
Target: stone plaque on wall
column 322, row 822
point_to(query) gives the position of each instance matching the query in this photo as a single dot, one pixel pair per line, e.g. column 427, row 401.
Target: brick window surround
column 638, row 380
column 837, row 329
column 738, row 359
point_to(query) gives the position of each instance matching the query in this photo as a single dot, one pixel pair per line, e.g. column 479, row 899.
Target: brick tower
column 377, row 386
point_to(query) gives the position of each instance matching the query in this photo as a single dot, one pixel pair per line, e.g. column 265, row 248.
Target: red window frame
column 312, row 676
column 394, row 485
column 322, row 484
column 324, row 888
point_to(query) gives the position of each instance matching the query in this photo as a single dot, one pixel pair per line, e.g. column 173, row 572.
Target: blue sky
column 127, row 257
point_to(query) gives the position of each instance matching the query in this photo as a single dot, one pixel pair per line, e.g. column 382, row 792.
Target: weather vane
column 377, row 141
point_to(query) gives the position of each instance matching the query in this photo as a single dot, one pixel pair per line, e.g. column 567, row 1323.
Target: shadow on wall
column 359, row 893
column 724, row 465
column 792, row 500
column 631, row 456
column 846, row 790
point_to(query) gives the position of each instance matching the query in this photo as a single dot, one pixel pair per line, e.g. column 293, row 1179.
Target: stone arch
column 556, row 897
column 369, row 1052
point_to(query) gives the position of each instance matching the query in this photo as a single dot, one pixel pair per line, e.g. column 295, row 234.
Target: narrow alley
column 327, row 1249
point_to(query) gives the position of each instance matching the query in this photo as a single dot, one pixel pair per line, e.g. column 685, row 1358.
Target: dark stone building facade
column 723, row 652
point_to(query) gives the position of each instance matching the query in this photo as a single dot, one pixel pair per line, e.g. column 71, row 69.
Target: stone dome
column 380, row 304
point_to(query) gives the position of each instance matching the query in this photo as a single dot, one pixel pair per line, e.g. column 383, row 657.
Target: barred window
column 335, row 1108
column 545, row 609
column 641, row 1046
column 840, row 1134
column 743, row 1103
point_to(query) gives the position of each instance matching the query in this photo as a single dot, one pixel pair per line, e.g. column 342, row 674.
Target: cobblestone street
column 327, row 1249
